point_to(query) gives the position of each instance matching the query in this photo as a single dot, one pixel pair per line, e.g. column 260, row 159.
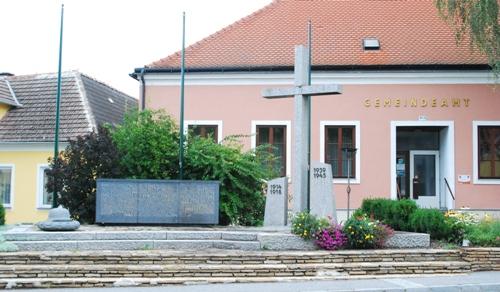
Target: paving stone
column 183, row 244
column 192, row 235
column 269, row 241
column 239, row 236
column 46, row 245
column 238, row 245
column 131, row 235
column 48, row 236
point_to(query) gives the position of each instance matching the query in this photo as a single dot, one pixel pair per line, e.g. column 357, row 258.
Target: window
column 275, row 136
column 337, row 138
column 204, row 131
column 6, row 184
column 44, row 197
column 204, row 128
column 489, row 152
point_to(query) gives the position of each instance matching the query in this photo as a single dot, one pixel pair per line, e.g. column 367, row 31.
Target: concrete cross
column 301, row 92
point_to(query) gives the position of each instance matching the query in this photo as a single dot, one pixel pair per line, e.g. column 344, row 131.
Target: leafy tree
column 242, row 176
column 74, row 173
column 478, row 21
column 148, row 143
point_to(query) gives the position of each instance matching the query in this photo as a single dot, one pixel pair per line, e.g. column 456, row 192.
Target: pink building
column 422, row 112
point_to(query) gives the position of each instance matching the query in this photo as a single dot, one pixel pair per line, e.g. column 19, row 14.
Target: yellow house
column 27, row 123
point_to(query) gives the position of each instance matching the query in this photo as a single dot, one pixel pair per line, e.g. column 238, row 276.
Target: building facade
column 422, row 112
column 27, row 127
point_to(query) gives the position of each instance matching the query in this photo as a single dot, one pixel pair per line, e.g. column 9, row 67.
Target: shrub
column 241, row 174
column 395, row 213
column 360, row 232
column 2, row 215
column 486, row 233
column 148, row 143
column 382, row 233
column 73, row 175
column 306, row 225
column 459, row 222
column 401, row 213
column 431, row 221
column 331, row 237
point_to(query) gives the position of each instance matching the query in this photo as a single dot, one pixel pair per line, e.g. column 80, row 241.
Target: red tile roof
column 410, row 33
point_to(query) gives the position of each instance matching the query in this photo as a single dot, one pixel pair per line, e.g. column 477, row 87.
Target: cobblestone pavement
column 479, row 281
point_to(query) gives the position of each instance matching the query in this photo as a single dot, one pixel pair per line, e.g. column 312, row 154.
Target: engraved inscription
column 275, row 190
column 157, row 201
column 319, row 172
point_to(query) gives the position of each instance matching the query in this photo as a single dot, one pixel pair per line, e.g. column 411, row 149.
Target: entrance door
column 424, row 178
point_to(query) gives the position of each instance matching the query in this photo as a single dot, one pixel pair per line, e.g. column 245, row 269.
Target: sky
column 107, row 39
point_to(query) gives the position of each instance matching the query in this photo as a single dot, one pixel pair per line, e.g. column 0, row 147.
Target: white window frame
column 218, row 123
column 288, row 125
column 40, row 187
column 357, row 133
column 475, row 149
column 12, row 179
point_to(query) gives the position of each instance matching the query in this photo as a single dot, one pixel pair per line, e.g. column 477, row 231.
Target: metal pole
column 348, row 183
column 309, row 45
column 181, row 134
column 58, row 105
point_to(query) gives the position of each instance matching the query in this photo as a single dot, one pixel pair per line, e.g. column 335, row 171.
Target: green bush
column 148, row 143
column 431, row 221
column 74, row 173
column 486, row 233
column 2, row 215
column 306, row 225
column 361, row 232
column 242, row 176
column 391, row 212
column 401, row 213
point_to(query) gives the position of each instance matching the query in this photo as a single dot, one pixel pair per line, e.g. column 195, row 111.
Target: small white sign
column 464, row 178
column 422, row 118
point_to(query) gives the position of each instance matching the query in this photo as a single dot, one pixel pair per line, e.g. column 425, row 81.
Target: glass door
column 424, row 178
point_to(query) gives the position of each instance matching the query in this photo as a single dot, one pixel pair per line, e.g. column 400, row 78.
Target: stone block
column 402, row 239
column 131, row 235
column 239, row 236
column 183, row 244
column 322, row 196
column 270, row 241
column 238, row 245
column 192, row 235
column 276, row 202
column 46, row 245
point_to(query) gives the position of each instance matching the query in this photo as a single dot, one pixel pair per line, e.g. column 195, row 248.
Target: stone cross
column 301, row 92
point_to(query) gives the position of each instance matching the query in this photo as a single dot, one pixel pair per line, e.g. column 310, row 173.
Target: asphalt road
column 480, row 281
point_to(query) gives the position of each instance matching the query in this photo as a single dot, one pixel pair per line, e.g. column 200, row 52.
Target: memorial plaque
column 276, row 202
column 157, row 201
column 322, row 196
column 116, row 202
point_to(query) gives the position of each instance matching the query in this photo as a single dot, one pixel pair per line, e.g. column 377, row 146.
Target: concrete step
column 73, row 245
column 130, row 235
column 28, row 240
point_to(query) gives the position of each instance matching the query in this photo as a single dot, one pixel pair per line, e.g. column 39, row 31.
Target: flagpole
column 181, row 134
column 58, row 106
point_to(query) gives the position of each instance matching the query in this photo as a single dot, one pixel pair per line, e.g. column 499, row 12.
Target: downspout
column 143, row 90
